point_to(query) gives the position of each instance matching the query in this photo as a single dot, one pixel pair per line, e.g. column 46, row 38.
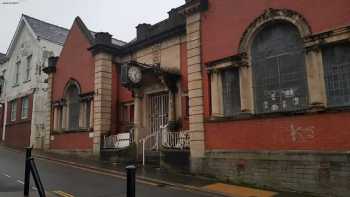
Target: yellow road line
column 101, row 173
column 233, row 190
column 62, row 194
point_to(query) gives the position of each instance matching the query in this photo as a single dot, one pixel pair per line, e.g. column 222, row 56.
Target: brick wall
column 323, row 174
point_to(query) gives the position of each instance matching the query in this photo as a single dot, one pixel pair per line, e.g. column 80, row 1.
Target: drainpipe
column 5, row 113
column 4, row 120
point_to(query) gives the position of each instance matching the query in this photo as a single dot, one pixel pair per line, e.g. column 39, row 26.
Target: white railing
column 176, row 140
column 118, row 141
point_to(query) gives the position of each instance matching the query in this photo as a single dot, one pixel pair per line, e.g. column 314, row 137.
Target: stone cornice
column 194, row 6
column 239, row 60
column 316, row 41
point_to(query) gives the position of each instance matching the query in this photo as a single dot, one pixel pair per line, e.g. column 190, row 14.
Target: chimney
column 103, row 38
column 143, row 30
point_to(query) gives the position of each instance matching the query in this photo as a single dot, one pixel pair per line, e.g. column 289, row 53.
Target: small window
column 231, row 92
column 13, row 110
column 25, row 107
column 16, row 81
column 127, row 112
column 336, row 61
column 27, row 74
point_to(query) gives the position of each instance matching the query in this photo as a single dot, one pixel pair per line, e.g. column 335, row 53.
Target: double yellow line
column 62, row 194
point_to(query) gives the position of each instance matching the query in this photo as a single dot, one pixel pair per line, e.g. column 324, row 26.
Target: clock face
column 134, row 74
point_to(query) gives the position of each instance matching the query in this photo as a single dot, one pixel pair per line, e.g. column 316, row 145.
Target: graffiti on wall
column 302, row 134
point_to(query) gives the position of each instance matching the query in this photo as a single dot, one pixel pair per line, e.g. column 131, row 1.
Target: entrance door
column 158, row 111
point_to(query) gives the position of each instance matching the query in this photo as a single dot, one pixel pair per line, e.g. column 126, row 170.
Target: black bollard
column 27, row 170
column 130, row 181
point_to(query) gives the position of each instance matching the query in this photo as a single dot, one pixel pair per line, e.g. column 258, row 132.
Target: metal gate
column 158, row 111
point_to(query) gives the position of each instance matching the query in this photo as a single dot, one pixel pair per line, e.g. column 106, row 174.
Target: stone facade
column 102, row 98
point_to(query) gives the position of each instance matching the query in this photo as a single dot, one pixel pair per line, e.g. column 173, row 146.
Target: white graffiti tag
column 302, row 134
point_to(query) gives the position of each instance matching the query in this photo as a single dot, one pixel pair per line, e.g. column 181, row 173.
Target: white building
column 24, row 96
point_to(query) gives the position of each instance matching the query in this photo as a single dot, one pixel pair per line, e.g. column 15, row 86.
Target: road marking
column 63, row 194
column 8, row 176
column 34, row 188
column 21, row 182
column 101, row 173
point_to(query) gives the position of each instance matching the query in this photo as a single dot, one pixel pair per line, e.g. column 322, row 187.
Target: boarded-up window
column 336, row 61
column 231, row 92
column 73, row 106
column 279, row 73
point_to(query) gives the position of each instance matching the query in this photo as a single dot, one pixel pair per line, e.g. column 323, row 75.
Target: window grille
column 25, row 107
column 231, row 92
column 279, row 72
column 336, row 61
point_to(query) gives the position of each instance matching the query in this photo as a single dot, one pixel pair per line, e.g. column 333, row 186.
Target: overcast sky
column 118, row 17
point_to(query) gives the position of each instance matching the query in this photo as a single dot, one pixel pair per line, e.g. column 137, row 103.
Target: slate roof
column 2, row 58
column 47, row 31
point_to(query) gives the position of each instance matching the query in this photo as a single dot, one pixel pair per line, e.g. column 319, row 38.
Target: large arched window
column 73, row 104
column 278, row 67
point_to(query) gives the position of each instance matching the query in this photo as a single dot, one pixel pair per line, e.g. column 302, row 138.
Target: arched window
column 73, row 104
column 278, row 67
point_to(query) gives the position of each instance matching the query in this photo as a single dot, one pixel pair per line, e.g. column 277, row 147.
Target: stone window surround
column 313, row 58
column 60, row 115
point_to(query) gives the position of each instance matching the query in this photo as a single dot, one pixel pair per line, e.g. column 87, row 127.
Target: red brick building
column 254, row 93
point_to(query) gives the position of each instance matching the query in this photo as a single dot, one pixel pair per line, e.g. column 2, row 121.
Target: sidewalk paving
column 165, row 178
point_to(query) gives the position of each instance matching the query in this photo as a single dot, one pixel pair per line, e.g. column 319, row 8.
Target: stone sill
column 250, row 116
column 16, row 122
column 63, row 132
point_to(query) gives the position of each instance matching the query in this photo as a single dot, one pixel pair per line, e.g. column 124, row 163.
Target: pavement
column 152, row 177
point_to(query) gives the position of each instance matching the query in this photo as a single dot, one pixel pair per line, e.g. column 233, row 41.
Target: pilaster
column 315, row 77
column 193, row 24
column 49, row 117
column 102, row 98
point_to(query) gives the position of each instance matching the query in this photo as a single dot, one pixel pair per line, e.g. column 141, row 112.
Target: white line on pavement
column 8, row 176
column 34, row 188
column 21, row 182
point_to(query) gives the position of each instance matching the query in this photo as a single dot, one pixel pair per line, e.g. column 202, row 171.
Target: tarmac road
column 70, row 181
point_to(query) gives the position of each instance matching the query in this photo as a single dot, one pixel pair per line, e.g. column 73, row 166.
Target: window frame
column 24, row 114
column 13, row 113
column 17, row 73
column 231, row 97
column 281, row 102
column 28, row 68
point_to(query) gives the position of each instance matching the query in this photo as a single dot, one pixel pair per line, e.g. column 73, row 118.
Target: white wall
column 24, row 46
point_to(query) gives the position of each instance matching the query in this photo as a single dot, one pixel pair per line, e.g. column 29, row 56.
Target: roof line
column 24, row 15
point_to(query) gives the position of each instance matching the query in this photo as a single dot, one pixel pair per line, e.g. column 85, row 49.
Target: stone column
column 315, row 78
column 49, row 119
column 195, row 90
column 137, row 115
column 172, row 111
column 245, row 83
column 102, row 98
column 216, row 94
column 64, row 116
